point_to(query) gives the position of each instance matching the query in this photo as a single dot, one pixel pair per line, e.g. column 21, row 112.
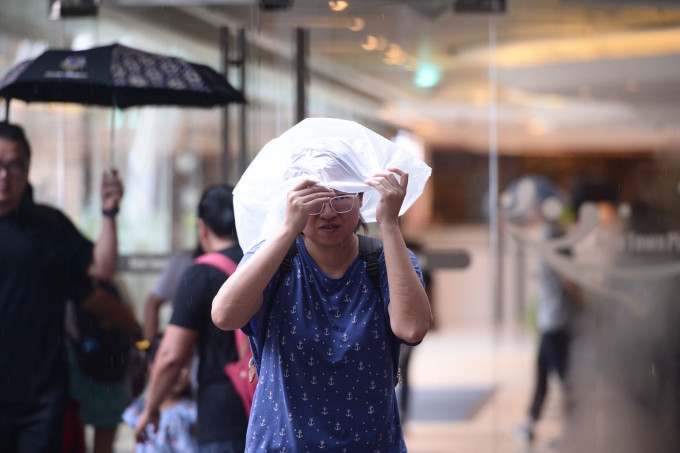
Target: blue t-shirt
column 328, row 355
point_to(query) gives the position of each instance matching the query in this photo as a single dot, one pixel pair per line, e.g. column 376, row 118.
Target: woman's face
column 330, row 227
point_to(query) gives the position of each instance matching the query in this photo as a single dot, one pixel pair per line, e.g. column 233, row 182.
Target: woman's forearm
column 409, row 307
column 240, row 297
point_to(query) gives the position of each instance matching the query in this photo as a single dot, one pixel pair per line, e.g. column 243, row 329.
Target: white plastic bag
column 340, row 154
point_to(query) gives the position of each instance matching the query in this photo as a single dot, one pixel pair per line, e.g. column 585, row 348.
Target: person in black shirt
column 222, row 421
column 44, row 261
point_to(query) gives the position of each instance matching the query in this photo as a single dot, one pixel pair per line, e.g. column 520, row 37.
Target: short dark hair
column 16, row 134
column 216, row 209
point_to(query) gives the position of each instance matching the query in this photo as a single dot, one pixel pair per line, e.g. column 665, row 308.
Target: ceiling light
column 357, row 24
column 339, row 5
column 427, row 76
column 370, row 44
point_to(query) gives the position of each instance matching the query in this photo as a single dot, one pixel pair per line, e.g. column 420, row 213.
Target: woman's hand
column 392, row 193
column 304, row 198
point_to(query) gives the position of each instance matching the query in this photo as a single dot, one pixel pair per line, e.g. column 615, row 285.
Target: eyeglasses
column 14, row 168
column 340, row 204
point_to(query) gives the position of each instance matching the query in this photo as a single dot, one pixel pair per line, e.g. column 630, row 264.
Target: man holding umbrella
column 44, row 261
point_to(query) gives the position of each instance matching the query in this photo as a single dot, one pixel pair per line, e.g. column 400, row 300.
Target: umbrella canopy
column 340, row 154
column 117, row 76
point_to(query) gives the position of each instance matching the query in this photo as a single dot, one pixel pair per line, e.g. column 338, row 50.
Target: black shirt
column 43, row 262
column 220, row 413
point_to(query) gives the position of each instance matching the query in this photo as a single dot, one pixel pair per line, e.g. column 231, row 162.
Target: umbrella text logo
column 74, row 63
column 72, row 69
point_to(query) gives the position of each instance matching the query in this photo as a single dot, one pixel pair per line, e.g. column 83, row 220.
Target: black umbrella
column 117, row 76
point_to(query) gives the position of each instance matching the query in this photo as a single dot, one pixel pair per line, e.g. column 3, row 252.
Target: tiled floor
column 472, row 358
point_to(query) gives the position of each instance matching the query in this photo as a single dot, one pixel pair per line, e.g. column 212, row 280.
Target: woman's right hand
column 304, row 198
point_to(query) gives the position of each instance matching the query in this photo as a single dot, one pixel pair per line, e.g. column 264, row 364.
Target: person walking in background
column 165, row 288
column 100, row 340
column 44, row 260
column 557, row 298
column 176, row 432
column 324, row 336
column 222, row 420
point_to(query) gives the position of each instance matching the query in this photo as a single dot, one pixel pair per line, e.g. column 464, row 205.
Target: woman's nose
column 327, row 211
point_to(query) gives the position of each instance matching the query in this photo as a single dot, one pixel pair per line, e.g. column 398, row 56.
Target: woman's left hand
column 392, row 193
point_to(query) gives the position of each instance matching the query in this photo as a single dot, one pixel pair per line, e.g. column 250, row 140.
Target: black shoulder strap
column 287, row 263
column 369, row 251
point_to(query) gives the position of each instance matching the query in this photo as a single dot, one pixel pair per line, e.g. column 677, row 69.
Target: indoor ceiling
column 571, row 75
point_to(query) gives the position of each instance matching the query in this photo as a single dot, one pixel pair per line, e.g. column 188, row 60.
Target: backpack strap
column 228, row 267
column 216, row 259
column 369, row 251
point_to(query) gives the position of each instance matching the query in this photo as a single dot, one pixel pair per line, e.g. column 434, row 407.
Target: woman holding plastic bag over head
column 325, row 334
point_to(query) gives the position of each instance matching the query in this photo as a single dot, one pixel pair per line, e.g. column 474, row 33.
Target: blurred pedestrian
column 44, row 260
column 557, row 298
column 222, row 420
column 100, row 342
column 176, row 431
column 165, row 288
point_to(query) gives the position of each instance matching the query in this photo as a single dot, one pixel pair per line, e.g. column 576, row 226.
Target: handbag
column 239, row 371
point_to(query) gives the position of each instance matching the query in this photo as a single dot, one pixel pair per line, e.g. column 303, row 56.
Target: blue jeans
column 223, row 446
